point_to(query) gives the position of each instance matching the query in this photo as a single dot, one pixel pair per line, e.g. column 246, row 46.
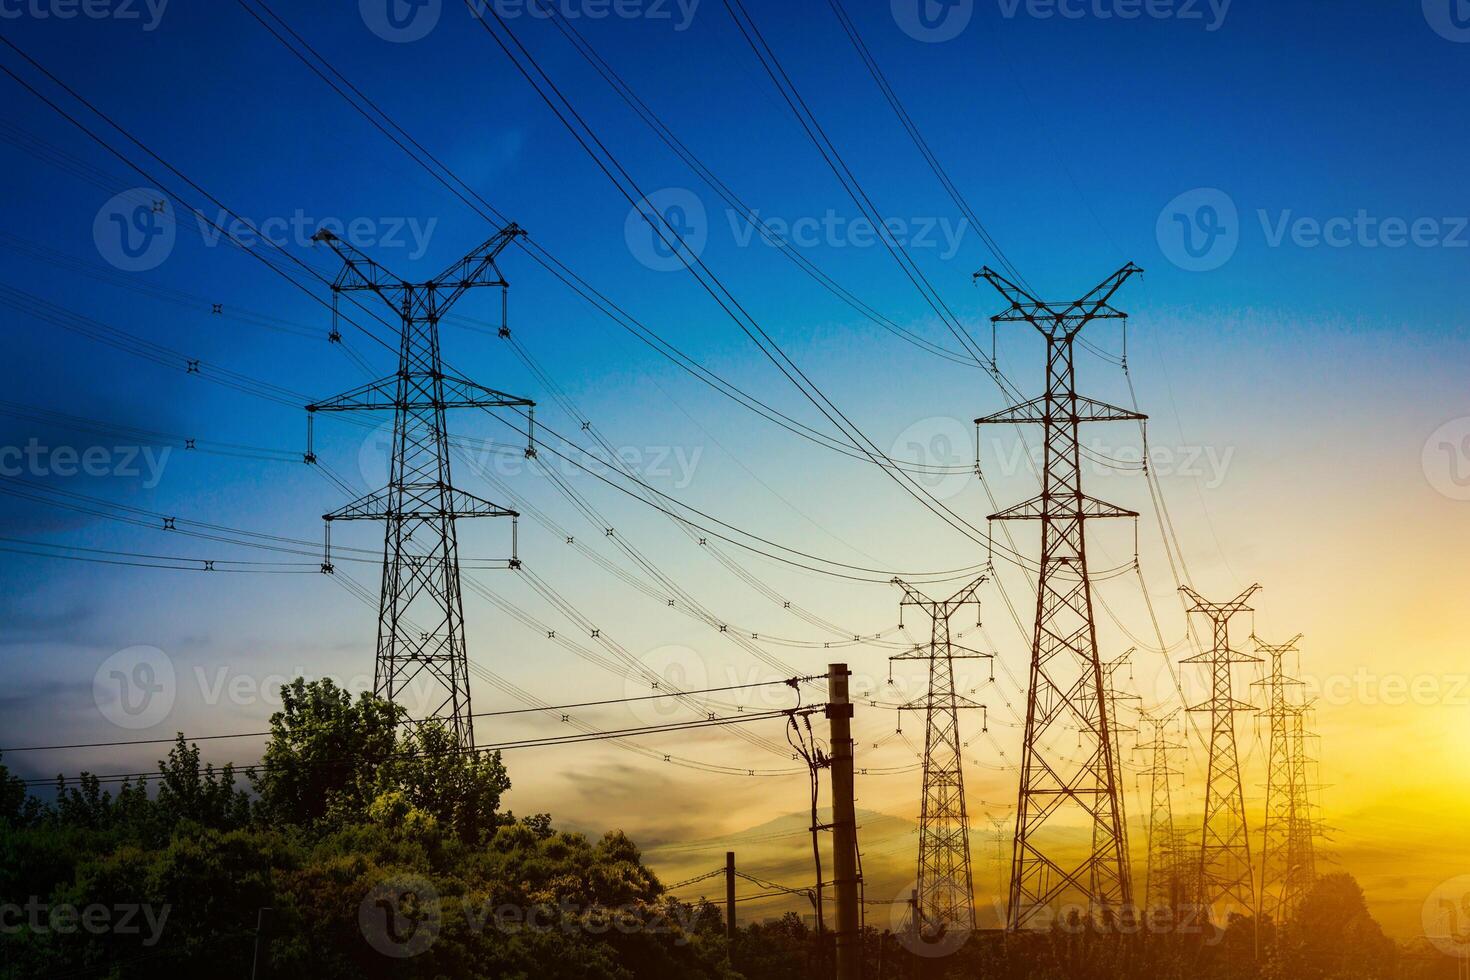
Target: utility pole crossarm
column 1220, row 610
column 453, row 392
column 361, row 273
column 1041, row 508
column 1035, row 410
column 435, row 500
column 1023, row 304
column 477, row 268
column 1094, row 306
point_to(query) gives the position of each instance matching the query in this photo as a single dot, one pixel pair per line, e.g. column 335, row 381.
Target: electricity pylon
column 1280, row 869
column 1117, row 727
column 1163, row 886
column 946, row 891
column 1301, row 845
column 1226, row 874
column 421, row 608
column 1066, row 680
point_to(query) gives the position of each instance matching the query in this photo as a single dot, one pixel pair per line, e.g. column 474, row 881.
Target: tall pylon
column 1117, row 728
column 1226, row 874
column 421, row 608
column 1280, row 868
column 946, row 890
column 1163, row 884
column 1306, row 827
column 1066, row 690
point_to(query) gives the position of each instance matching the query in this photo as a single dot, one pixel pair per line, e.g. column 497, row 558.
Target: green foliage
column 348, row 805
column 365, row 839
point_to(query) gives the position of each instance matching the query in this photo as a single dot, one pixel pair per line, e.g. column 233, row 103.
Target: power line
column 549, row 741
column 503, row 713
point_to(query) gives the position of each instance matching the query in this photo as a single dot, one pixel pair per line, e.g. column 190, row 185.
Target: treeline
column 364, row 847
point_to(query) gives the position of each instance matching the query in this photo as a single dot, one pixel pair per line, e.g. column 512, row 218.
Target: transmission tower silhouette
column 945, row 891
column 421, row 608
column 1306, row 826
column 1066, row 690
column 1280, row 867
column 1226, row 875
column 1163, row 885
column 1117, row 727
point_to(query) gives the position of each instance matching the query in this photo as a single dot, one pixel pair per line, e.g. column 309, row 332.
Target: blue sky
column 1315, row 371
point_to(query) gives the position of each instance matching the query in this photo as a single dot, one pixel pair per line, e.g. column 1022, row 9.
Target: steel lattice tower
column 1301, row 845
column 1279, row 865
column 1226, row 874
column 421, row 608
column 1163, row 887
column 1066, row 679
column 1116, row 728
column 945, row 891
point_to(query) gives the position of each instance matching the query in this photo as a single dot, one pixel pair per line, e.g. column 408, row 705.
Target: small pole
column 849, row 938
column 259, row 929
column 730, row 895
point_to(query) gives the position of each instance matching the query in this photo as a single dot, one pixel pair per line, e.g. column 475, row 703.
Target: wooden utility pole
column 844, row 827
column 730, row 895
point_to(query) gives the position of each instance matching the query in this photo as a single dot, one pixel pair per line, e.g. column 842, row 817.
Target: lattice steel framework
column 1163, row 884
column 1280, row 868
column 1117, row 727
column 1066, row 682
column 1226, row 875
column 945, row 891
column 421, row 608
column 1301, row 848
